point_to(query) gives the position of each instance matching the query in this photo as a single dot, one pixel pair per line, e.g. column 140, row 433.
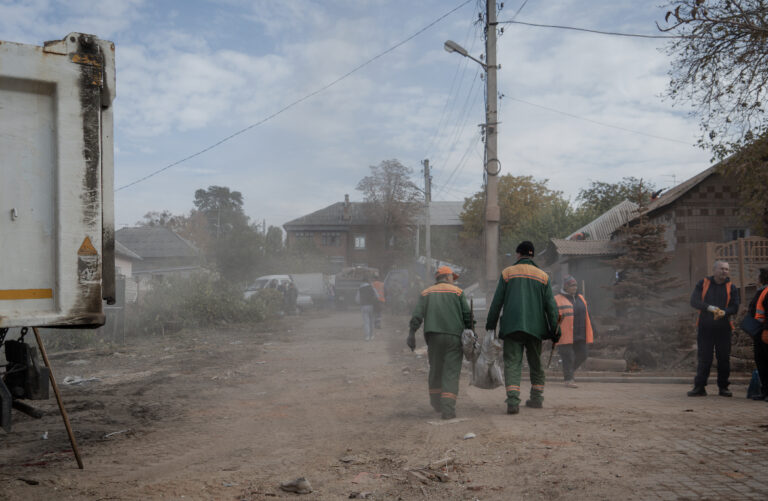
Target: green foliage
column 598, row 197
column 202, row 300
column 529, row 211
column 647, row 304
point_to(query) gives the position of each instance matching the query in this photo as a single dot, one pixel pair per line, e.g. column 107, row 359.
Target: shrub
column 202, row 300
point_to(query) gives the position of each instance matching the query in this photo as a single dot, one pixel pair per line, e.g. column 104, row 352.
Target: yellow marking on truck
column 12, row 294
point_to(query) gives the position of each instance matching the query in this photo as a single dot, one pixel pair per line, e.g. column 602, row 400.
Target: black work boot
column 448, row 414
column 533, row 404
column 725, row 392
column 513, row 409
column 697, row 391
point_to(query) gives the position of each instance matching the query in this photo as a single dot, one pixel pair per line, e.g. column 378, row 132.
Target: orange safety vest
column 565, row 310
column 762, row 304
column 379, row 288
column 705, row 288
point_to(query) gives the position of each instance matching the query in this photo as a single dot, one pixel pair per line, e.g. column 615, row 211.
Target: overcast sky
column 192, row 72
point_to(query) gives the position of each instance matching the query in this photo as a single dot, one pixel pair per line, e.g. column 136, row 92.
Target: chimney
column 345, row 214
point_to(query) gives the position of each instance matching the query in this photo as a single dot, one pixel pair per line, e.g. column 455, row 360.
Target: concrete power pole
column 427, row 200
column 492, row 164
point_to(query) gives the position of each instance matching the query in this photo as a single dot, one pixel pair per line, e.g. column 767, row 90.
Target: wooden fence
column 745, row 257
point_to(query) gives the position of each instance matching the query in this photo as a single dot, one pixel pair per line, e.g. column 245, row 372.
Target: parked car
column 278, row 282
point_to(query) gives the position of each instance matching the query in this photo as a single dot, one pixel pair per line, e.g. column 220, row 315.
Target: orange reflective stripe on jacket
column 761, row 306
column 565, row 310
column 378, row 286
column 705, row 287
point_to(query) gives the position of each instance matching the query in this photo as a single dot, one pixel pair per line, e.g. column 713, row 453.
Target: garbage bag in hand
column 469, row 344
column 487, row 367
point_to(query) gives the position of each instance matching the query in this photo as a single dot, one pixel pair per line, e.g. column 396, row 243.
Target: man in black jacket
column 717, row 301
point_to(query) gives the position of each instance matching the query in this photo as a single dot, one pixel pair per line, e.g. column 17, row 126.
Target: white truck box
column 56, row 182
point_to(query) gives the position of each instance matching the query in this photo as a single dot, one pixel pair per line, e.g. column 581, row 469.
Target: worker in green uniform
column 530, row 315
column 445, row 312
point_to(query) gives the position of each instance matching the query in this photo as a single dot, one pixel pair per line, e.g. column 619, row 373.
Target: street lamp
column 492, row 164
column 451, row 46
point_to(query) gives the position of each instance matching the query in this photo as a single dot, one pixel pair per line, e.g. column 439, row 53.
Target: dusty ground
column 230, row 413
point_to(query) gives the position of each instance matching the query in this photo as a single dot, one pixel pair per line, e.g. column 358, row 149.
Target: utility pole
column 427, row 200
column 492, row 164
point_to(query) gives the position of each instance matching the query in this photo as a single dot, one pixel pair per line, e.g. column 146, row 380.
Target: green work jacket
column 525, row 295
column 443, row 308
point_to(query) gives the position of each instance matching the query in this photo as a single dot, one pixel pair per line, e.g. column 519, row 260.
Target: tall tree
column 530, row 210
column 720, row 68
column 599, row 196
column 165, row 218
column 392, row 200
column 645, row 298
column 222, row 208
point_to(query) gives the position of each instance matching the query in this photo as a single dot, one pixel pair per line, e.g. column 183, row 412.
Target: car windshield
column 258, row 284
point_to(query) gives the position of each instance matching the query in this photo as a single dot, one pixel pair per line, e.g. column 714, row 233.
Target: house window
column 735, row 233
column 360, row 242
column 298, row 235
column 331, row 239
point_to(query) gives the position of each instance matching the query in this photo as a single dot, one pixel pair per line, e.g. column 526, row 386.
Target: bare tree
column 720, row 66
column 392, row 198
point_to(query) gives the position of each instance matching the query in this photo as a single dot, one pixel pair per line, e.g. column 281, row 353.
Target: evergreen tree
column 645, row 294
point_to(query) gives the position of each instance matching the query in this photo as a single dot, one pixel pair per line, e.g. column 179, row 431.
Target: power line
column 577, row 117
column 461, row 124
column 300, row 100
column 613, row 33
column 519, row 9
column 461, row 66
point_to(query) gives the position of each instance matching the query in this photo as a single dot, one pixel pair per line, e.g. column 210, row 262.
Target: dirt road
column 230, row 413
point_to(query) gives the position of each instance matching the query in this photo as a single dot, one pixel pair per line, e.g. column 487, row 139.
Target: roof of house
column 681, row 189
column 584, row 247
column 441, row 214
column 333, row 215
column 155, row 241
column 122, row 250
column 604, row 225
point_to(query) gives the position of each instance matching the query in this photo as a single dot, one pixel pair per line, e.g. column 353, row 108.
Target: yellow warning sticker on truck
column 88, row 263
column 87, row 248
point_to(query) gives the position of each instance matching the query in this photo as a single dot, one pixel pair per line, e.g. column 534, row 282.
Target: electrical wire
column 462, row 65
column 461, row 124
column 298, row 101
column 461, row 164
column 577, row 117
column 613, row 33
column 519, row 9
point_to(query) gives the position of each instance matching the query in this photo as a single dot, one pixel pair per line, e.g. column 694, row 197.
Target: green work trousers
column 444, row 353
column 514, row 344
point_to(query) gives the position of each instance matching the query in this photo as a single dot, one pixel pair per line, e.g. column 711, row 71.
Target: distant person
column 717, row 301
column 366, row 298
column 445, row 312
column 576, row 329
column 291, row 297
column 378, row 286
column 757, row 308
column 529, row 315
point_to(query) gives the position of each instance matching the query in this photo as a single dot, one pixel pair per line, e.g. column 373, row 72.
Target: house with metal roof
column 584, row 253
column 348, row 235
column 162, row 252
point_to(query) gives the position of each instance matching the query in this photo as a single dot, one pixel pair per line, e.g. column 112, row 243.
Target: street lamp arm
column 451, row 46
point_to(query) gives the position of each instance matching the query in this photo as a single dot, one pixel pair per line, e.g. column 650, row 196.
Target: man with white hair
column 717, row 301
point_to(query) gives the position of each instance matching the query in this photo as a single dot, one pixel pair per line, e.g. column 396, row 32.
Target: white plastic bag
column 469, row 344
column 487, row 366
